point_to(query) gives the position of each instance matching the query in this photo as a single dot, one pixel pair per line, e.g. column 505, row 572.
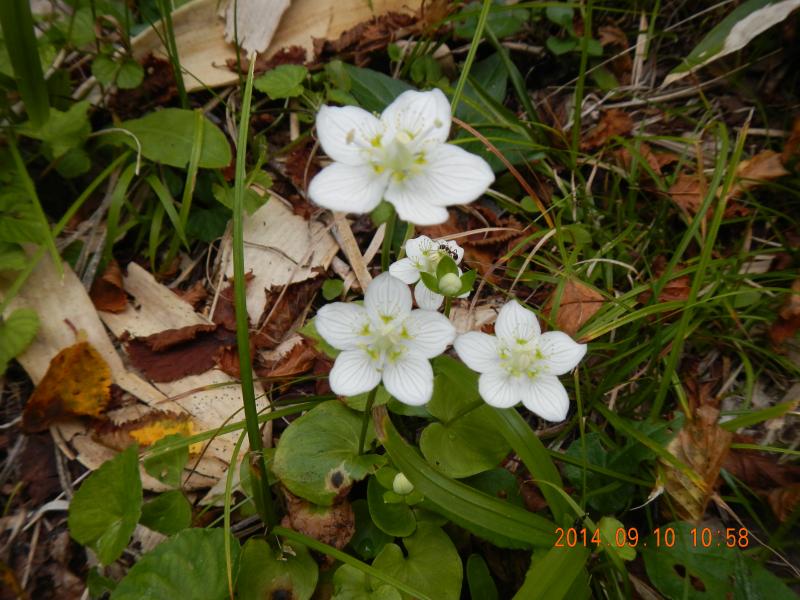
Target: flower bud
column 450, row 284
column 401, row 485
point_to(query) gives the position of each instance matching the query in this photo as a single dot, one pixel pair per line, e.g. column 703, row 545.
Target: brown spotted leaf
column 77, row 382
column 703, row 446
column 108, row 291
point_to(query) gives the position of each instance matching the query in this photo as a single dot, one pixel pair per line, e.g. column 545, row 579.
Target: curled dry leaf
column 293, row 357
column 77, row 383
column 194, row 296
column 334, row 525
column 145, row 430
column 703, row 446
column 687, row 192
column 367, row 37
column 577, row 305
column 108, row 292
column 613, row 122
column 283, row 311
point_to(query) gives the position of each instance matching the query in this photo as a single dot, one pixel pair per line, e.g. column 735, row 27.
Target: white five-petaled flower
column 422, row 256
column 401, row 156
column 384, row 339
column 520, row 363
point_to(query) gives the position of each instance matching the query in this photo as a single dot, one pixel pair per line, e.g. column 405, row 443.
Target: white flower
column 521, row 363
column 401, row 156
column 384, row 339
column 422, row 256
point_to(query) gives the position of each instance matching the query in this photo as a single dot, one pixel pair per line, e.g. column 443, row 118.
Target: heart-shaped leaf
column 269, row 572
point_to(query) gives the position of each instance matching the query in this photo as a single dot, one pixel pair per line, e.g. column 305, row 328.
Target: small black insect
column 448, row 250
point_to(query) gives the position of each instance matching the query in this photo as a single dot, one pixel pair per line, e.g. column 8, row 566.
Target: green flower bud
column 450, row 284
column 401, row 485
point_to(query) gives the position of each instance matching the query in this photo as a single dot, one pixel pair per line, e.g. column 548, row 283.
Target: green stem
column 448, row 301
column 473, row 49
column 388, row 236
column 261, row 492
column 172, row 50
column 365, row 420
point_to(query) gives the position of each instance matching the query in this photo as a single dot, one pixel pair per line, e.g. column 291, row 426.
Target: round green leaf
column 167, row 513
column 396, row 519
column 130, row 75
column 189, row 565
column 317, row 456
column 16, row 334
column 368, row 539
column 105, row 509
column 431, row 565
column 104, row 69
column 349, row 583
column 284, row 81
column 268, row 572
column 167, row 137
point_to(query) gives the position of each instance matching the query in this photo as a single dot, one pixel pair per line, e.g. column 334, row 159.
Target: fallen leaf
column 299, row 358
column 176, row 353
column 145, row 430
column 783, row 501
column 577, row 305
column 225, row 311
column 760, row 471
column 194, row 296
column 761, row 168
column 612, row 35
column 655, row 160
column 282, row 311
column 703, row 446
column 37, row 469
column 675, row 290
column 158, row 88
column 687, row 192
column 108, row 292
column 333, row 525
column 78, row 382
column 613, row 122
column 367, row 37
column 788, row 322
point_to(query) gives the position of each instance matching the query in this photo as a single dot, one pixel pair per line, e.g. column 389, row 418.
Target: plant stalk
column 365, row 421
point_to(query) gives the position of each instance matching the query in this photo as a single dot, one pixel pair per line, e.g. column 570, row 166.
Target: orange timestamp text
column 699, row 537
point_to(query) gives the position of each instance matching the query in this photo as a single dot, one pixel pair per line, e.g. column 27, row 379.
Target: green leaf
column 560, row 14
column 396, row 519
column 317, row 456
column 269, row 572
column 516, row 146
column 503, row 23
column 74, row 163
column 608, row 527
column 733, row 33
column 19, row 221
column 284, row 81
column 332, row 288
column 167, row 136
column 359, row 402
column 350, row 583
column 429, row 281
column 559, row 46
column 207, row 224
column 63, row 130
column 188, row 565
column 104, row 69
column 12, row 257
column 554, row 574
column 491, row 78
column 252, row 199
column 131, row 74
column 481, row 584
column 167, row 513
column 105, row 509
column 446, row 265
column 17, row 331
column 431, row 563
column 373, row 90
column 499, row 522
column 368, row 539
column 722, row 571
column 498, row 483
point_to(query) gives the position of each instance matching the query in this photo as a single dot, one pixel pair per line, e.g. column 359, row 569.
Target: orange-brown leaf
column 578, row 304
column 145, row 430
column 77, row 382
column 783, row 501
column 108, row 292
column 703, row 446
column 194, row 295
column 298, row 360
column 613, row 122
column 761, row 168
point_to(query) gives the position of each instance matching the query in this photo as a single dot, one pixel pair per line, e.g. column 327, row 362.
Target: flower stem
column 388, row 237
column 448, row 301
column 258, row 469
column 365, row 422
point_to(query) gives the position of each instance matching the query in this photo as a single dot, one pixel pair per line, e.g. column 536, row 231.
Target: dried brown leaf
column 703, row 446
column 78, row 382
column 788, row 322
column 761, row 168
column 194, row 295
column 298, row 360
column 334, row 525
column 783, row 501
column 282, row 312
column 578, row 304
column 145, row 430
column 613, row 122
column 108, row 291
column 612, row 35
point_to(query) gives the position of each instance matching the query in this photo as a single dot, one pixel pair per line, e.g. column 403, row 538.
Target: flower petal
column 478, row 351
column 409, row 379
column 422, row 116
column 353, row 373
column 561, row 352
column 455, row 249
column 346, row 133
column 546, row 397
column 426, row 298
column 387, row 297
column 341, row 324
column 347, row 188
column 449, row 176
column 499, row 389
column 404, row 270
column 516, row 323
column 416, row 247
column 410, row 206
column 430, row 333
